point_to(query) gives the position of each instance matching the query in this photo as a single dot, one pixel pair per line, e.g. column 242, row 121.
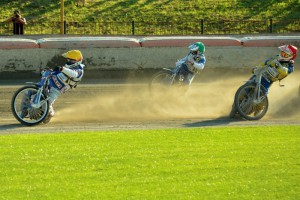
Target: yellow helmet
column 74, row 58
column 73, row 55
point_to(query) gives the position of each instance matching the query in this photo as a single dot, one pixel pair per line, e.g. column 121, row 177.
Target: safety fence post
column 65, row 27
column 202, row 26
column 132, row 27
column 271, row 25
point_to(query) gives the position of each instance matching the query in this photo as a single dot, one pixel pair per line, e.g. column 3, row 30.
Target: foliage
column 194, row 163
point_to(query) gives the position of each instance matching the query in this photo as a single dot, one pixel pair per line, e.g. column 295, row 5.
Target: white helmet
column 287, row 52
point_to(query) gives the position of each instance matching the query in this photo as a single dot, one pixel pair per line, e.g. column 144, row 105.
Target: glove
column 43, row 70
column 58, row 69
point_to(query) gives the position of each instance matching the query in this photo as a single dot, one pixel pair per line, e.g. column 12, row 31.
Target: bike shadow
column 10, row 127
column 221, row 121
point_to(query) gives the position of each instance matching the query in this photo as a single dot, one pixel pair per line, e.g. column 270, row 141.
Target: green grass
column 120, row 10
column 184, row 15
column 200, row 163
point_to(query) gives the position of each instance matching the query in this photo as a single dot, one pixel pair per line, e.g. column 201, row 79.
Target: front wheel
column 22, row 109
column 245, row 105
column 161, row 82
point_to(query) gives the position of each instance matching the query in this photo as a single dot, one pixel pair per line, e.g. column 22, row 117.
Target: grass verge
column 203, row 163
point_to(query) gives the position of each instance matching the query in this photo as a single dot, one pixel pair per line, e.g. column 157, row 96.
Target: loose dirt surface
column 112, row 105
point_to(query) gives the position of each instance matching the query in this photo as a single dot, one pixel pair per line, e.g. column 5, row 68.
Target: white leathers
column 65, row 78
column 68, row 73
column 62, row 81
column 194, row 60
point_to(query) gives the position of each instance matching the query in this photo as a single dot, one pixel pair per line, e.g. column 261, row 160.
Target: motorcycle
column 30, row 105
column 251, row 100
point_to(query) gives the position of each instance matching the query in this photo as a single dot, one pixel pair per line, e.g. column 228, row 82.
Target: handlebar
column 260, row 70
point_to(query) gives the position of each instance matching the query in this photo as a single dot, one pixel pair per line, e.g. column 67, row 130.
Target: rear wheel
column 246, row 107
column 22, row 109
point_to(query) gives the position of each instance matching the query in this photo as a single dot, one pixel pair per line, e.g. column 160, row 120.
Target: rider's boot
column 233, row 113
column 49, row 115
column 47, row 119
column 258, row 108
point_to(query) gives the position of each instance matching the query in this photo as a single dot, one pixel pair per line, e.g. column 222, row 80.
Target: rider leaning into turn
column 279, row 66
column 192, row 63
column 64, row 78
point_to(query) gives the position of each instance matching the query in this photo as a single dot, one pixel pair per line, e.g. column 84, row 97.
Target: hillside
column 182, row 11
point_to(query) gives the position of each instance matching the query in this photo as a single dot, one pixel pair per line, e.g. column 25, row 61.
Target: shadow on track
column 9, row 128
column 221, row 121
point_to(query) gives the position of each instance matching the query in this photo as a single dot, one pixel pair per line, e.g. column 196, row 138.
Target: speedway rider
column 279, row 67
column 65, row 78
column 62, row 79
column 191, row 64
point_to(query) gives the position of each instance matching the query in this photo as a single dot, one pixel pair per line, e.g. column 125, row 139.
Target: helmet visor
column 285, row 55
column 195, row 52
column 70, row 61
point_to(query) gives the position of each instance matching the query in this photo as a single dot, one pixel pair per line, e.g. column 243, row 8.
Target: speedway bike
column 165, row 79
column 251, row 100
column 30, row 103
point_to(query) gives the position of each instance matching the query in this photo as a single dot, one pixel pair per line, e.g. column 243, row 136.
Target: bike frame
column 42, row 85
column 258, row 76
column 174, row 73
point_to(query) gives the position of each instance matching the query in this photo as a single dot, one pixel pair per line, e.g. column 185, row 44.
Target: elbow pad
column 70, row 72
column 198, row 66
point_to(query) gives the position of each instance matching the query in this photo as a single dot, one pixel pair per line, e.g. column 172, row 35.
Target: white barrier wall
column 113, row 53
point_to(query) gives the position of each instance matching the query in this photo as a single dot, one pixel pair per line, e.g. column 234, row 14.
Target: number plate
column 273, row 72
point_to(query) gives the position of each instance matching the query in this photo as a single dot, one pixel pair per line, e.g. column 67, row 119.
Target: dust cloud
column 204, row 100
column 284, row 102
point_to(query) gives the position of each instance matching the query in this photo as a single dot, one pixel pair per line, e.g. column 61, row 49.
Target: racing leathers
column 189, row 66
column 63, row 79
column 277, row 70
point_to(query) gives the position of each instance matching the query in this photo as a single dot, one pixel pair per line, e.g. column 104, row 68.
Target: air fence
column 116, row 54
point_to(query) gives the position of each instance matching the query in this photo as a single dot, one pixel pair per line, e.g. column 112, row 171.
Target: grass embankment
column 181, row 17
column 210, row 163
column 162, row 10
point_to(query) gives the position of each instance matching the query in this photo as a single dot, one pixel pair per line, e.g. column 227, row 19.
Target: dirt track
column 115, row 106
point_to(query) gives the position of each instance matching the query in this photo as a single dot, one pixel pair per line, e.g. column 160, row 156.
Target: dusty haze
column 207, row 98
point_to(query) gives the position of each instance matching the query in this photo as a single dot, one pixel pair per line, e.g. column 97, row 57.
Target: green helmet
column 198, row 46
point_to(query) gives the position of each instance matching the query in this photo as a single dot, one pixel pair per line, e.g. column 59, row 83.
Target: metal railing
column 201, row 27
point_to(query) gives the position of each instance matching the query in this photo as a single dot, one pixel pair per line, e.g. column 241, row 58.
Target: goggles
column 195, row 52
column 284, row 54
column 70, row 61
